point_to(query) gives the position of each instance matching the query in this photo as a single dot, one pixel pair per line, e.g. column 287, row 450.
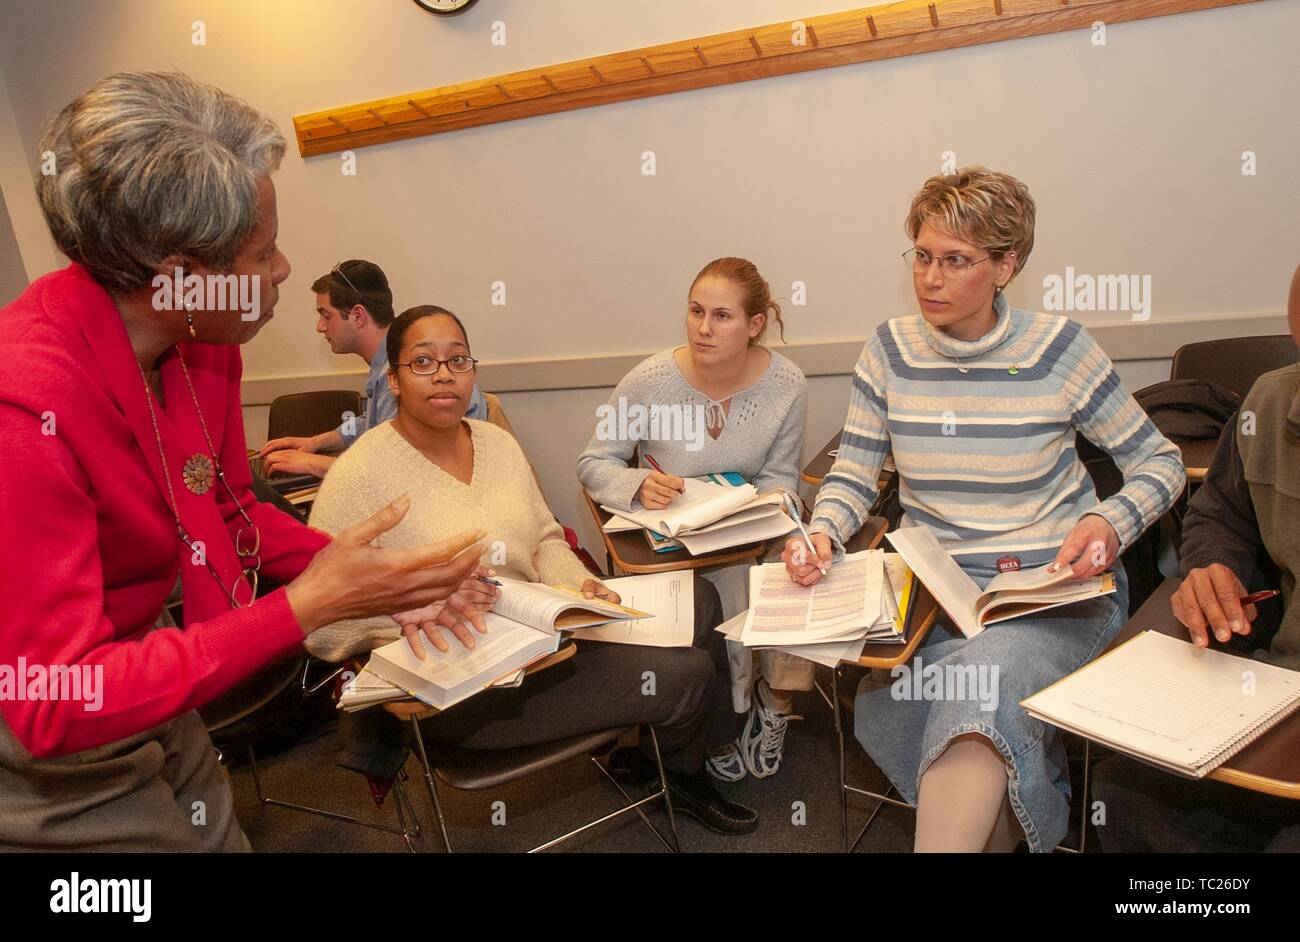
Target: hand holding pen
column 1212, row 599
column 659, row 488
column 807, row 557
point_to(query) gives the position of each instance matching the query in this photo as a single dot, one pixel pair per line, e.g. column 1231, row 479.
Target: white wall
column 1132, row 150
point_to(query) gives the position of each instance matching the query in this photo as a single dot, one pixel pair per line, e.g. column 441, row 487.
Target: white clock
column 445, row 7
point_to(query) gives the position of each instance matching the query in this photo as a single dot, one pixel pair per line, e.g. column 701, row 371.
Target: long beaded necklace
column 198, row 473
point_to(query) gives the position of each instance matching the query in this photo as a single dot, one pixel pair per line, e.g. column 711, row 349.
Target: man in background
column 354, row 307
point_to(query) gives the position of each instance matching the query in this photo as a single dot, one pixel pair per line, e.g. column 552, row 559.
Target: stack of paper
column 710, row 516
column 829, row 622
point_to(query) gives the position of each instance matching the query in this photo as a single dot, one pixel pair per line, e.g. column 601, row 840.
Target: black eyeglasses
column 425, row 365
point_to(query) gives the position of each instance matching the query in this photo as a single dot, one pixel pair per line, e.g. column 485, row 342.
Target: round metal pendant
column 198, row 474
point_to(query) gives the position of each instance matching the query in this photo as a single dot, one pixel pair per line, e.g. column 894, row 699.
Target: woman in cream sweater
column 457, row 470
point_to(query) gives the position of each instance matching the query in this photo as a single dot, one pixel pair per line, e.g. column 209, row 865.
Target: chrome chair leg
column 263, row 800
column 430, row 784
column 839, row 739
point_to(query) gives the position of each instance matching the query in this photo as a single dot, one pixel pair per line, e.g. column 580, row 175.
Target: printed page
column 783, row 612
column 955, row 591
column 669, row 595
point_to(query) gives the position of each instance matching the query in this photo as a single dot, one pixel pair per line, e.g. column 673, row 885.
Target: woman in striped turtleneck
column 978, row 404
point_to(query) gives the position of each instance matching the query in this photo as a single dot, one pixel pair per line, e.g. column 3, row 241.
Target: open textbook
column 524, row 625
column 1170, row 703
column 711, row 516
column 1009, row 595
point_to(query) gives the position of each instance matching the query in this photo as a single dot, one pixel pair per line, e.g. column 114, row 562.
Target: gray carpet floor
column 798, row 806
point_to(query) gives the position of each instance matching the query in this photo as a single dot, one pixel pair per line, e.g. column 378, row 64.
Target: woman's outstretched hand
column 349, row 578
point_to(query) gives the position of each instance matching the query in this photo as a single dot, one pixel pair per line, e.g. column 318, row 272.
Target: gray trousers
column 160, row 790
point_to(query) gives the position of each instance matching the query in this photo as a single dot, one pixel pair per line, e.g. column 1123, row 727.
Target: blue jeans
column 906, row 725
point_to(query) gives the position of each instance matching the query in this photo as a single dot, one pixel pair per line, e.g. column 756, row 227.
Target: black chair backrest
column 310, row 413
column 1234, row 363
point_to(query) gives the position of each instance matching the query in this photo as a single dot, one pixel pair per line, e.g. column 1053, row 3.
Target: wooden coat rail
column 862, row 35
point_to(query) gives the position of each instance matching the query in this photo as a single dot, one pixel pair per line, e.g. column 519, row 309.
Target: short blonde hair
column 152, row 164
column 984, row 207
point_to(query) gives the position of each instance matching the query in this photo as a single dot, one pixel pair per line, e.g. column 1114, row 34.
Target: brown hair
column 984, row 207
column 357, row 281
column 757, row 295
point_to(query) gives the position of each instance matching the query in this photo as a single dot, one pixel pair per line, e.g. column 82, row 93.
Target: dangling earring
column 189, row 321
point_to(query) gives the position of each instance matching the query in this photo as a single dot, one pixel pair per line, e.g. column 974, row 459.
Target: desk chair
column 1234, row 363
column 478, row 769
column 310, row 413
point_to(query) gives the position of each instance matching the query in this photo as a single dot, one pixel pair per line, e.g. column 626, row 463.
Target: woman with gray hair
column 126, row 468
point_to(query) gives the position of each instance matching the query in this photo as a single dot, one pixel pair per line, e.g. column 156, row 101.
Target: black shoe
column 629, row 765
column 694, row 795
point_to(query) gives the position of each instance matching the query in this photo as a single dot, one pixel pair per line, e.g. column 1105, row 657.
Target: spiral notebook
column 1167, row 702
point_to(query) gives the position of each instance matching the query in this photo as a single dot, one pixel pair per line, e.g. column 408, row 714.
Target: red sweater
column 88, row 544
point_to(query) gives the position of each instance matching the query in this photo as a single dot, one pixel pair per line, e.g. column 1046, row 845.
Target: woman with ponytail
column 752, row 401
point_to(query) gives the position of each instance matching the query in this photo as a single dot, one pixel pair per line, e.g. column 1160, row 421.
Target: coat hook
column 997, row 7
column 377, row 115
column 813, row 33
column 412, row 102
column 871, row 25
column 547, row 79
column 596, row 72
column 648, row 67
column 757, row 48
column 502, row 89
column 701, row 55
column 934, row 16
column 340, row 124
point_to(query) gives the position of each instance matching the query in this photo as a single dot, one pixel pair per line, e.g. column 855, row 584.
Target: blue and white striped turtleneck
column 986, row 458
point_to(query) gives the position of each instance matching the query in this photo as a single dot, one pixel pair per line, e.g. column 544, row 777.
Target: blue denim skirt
column 957, row 685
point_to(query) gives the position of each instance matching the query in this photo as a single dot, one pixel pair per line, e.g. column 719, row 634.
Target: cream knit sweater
column 523, row 540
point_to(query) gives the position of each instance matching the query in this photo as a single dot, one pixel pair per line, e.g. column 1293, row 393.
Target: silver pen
column 792, row 508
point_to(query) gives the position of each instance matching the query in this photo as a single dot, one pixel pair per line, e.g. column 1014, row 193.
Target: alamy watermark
column 78, row 683
column 1081, row 292
column 657, row 423
column 212, row 292
column 931, row 682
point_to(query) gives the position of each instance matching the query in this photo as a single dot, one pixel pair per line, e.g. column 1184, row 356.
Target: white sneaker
column 763, row 739
column 726, row 765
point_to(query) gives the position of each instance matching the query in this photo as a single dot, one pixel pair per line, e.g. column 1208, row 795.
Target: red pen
column 654, row 464
column 1259, row 596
